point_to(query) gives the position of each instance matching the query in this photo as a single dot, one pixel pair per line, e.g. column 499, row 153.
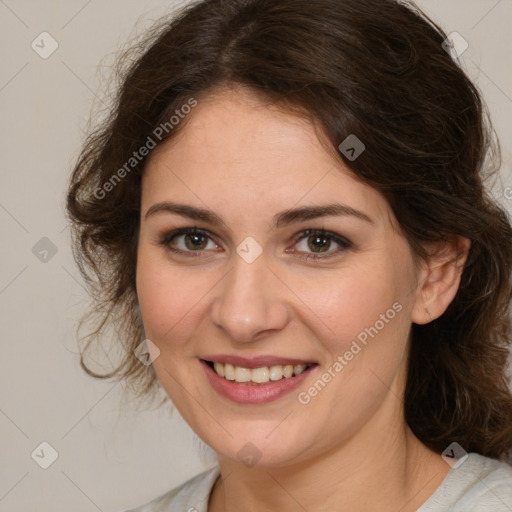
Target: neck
column 378, row 469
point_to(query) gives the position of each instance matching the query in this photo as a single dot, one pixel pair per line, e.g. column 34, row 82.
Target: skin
column 349, row 448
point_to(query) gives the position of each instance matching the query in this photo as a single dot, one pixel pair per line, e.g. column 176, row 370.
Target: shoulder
column 478, row 484
column 191, row 496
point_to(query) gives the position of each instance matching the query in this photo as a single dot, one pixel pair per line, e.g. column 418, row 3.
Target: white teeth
column 229, row 371
column 287, row 371
column 242, row 374
column 276, row 372
column 219, row 368
column 299, row 368
column 260, row 375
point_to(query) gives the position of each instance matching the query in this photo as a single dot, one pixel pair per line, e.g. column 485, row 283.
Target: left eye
column 319, row 242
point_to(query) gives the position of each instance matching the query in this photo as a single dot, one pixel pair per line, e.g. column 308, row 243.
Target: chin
column 253, row 450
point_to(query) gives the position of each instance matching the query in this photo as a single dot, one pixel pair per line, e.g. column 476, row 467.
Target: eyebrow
column 283, row 218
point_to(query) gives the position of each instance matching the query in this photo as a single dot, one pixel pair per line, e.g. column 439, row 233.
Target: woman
column 288, row 205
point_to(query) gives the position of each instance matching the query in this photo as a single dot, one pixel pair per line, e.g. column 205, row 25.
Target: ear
column 439, row 278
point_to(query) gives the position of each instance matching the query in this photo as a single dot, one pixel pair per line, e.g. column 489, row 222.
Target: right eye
column 187, row 241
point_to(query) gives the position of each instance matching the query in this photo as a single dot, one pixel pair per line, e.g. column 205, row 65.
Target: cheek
column 341, row 305
column 170, row 299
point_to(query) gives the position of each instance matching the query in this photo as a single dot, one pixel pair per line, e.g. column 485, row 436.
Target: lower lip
column 254, row 394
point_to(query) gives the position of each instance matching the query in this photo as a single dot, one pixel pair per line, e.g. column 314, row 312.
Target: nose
column 250, row 301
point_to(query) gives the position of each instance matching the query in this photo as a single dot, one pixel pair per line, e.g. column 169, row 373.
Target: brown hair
column 374, row 68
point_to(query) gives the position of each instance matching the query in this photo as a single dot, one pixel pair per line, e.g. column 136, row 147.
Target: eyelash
column 342, row 242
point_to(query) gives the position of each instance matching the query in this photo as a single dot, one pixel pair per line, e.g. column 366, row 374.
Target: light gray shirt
column 478, row 484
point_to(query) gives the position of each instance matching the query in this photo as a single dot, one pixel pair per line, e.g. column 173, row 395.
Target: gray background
column 110, row 456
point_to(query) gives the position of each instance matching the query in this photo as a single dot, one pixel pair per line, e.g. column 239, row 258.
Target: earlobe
column 440, row 278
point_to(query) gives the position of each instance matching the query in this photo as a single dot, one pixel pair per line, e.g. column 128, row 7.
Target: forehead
column 234, row 147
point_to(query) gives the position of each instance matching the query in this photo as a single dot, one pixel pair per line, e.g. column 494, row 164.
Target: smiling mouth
column 257, row 376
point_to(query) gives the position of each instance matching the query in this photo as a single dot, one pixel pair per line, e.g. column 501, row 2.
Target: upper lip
column 255, row 362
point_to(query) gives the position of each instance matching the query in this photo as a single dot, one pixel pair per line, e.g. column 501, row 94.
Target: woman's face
column 266, row 279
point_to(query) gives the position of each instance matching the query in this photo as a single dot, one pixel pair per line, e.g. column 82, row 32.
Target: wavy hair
column 375, row 68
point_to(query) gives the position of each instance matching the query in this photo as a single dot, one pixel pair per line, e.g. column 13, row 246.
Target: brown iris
column 318, row 242
column 195, row 241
